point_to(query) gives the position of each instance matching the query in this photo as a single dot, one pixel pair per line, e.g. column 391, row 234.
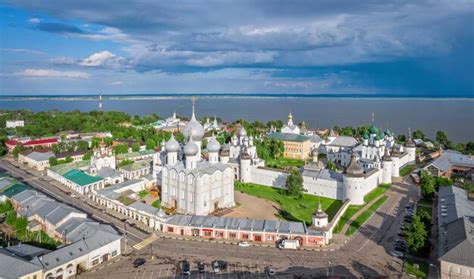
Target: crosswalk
column 145, row 242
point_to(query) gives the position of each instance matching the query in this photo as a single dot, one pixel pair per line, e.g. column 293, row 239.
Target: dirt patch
column 253, row 208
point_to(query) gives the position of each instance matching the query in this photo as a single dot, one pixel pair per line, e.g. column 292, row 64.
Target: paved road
column 365, row 255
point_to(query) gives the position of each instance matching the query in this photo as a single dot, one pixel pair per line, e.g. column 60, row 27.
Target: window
column 114, row 253
column 232, row 235
column 170, row 229
column 245, row 236
column 95, row 262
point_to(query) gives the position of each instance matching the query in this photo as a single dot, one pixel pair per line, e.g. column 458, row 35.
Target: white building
column 190, row 184
column 36, row 160
column 211, row 126
column 14, row 123
column 290, row 127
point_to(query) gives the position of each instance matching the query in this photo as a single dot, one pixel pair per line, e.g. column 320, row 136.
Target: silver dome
column 213, row 145
column 172, row 145
column 191, row 148
column 198, row 129
column 242, row 132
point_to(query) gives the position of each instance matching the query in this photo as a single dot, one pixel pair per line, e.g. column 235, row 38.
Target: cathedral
column 191, row 184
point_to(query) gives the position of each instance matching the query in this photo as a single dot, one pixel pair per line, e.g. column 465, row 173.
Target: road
column 365, row 255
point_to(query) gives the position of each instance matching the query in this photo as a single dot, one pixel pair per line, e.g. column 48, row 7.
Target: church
column 191, row 184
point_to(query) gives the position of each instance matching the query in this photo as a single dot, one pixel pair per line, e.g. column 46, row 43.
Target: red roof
column 33, row 142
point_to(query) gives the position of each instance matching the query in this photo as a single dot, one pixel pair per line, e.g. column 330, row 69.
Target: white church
column 189, row 183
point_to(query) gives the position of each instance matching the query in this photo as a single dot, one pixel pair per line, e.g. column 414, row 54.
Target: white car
column 397, row 254
column 244, row 244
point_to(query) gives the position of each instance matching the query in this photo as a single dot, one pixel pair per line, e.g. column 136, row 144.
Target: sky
column 399, row 47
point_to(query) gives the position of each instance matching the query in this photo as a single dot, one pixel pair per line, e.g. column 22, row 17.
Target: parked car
column 138, row 262
column 201, row 267
column 186, row 268
column 219, row 265
column 397, row 254
column 244, row 244
column 270, row 271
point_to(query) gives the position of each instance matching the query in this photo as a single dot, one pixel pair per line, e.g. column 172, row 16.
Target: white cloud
column 23, row 50
column 34, row 20
column 288, row 84
column 118, row 82
column 52, row 74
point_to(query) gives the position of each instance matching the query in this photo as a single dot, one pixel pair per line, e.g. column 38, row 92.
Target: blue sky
column 419, row 48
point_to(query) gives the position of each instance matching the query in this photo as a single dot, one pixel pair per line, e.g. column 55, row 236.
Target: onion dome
column 353, row 169
column 319, row 212
column 379, row 136
column 242, row 131
column 198, row 129
column 224, row 153
column 386, row 155
column 245, row 155
column 191, row 148
column 410, row 142
column 373, row 130
column 366, row 135
column 387, row 132
column 172, row 145
column 213, row 145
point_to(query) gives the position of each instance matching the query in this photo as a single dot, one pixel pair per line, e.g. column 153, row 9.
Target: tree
column 88, row 155
column 121, row 148
column 19, row 148
column 294, row 183
column 135, row 147
column 3, row 148
column 416, row 235
column 82, row 145
column 427, row 185
column 204, row 143
column 331, row 166
column 418, row 134
column 150, row 144
column 442, row 138
column 53, row 161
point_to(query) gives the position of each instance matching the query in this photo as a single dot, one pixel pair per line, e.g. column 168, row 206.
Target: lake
column 454, row 116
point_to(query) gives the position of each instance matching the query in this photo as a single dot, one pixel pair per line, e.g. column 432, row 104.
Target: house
column 296, row 146
column 44, row 142
column 35, row 159
column 455, row 233
column 451, row 162
column 74, row 155
column 136, row 169
column 14, row 123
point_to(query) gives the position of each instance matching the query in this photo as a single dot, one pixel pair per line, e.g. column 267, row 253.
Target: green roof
column 379, row 136
column 15, row 189
column 289, row 137
column 81, row 178
column 138, row 165
column 63, row 168
column 365, row 135
column 373, row 130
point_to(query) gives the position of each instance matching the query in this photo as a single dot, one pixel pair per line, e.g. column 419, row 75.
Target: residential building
column 35, row 159
column 14, row 123
column 449, row 163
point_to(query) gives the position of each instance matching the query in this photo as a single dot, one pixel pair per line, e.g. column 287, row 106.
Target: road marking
column 145, row 242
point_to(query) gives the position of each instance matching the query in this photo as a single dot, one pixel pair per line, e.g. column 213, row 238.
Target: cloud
column 34, row 20
column 60, row 28
column 38, row 73
column 103, row 59
column 289, row 84
column 23, row 50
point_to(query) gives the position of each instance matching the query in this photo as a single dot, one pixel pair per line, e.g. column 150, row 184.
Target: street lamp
column 437, row 269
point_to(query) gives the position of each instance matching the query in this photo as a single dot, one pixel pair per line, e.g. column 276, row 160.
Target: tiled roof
column 344, row 141
column 457, row 243
column 39, row 156
column 81, row 178
column 21, row 267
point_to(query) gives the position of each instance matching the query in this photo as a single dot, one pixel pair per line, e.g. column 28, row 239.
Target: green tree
column 150, row 144
column 442, row 138
column 121, row 148
column 331, row 166
column 88, row 155
column 82, row 145
column 3, row 148
column 418, row 134
column 53, row 161
column 427, row 185
column 416, row 235
column 19, row 148
column 135, row 147
column 294, row 183
column 204, row 143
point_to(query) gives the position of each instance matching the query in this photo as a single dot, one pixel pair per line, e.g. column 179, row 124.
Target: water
column 454, row 116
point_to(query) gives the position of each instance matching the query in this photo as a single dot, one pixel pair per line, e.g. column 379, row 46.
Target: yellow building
column 296, row 146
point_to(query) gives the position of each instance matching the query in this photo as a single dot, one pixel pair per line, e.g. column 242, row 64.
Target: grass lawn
column 350, row 211
column 377, row 192
column 281, row 163
column 422, row 270
column 364, row 216
column 293, row 208
column 406, row 170
column 143, row 193
column 156, row 203
column 126, row 200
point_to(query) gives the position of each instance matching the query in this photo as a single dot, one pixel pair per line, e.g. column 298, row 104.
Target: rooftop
column 81, row 178
column 451, row 158
column 289, row 137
